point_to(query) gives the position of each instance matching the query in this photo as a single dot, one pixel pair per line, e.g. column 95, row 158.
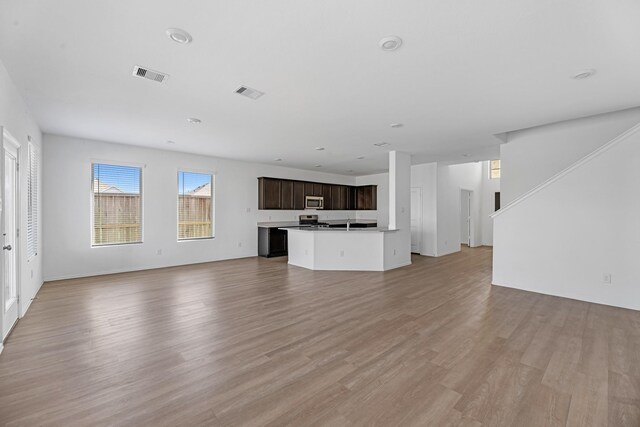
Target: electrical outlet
column 159, row 252
column 248, row 210
column 239, row 244
column 606, row 278
column 394, row 251
column 269, row 217
column 341, row 253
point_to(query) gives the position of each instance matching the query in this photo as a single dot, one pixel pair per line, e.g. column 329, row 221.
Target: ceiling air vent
column 249, row 93
column 148, row 74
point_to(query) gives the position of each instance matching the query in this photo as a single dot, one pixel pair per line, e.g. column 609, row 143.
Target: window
column 195, row 205
column 494, row 169
column 32, row 202
column 117, row 204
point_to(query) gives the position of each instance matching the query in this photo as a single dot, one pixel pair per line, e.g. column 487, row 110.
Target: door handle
column 7, row 248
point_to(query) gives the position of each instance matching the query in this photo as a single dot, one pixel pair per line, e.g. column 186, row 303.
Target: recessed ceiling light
column 396, row 125
column 318, row 166
column 277, row 160
column 465, row 155
column 179, row 36
column 194, row 120
column 584, row 74
column 171, row 142
column 381, row 144
column 390, row 43
column 319, row 148
column 360, row 157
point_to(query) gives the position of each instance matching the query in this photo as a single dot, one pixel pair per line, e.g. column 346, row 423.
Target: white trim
column 568, row 170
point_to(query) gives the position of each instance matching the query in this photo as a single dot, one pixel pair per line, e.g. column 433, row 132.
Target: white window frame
column 142, row 167
column 491, row 170
column 213, row 204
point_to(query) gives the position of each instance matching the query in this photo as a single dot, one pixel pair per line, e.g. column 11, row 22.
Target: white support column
column 398, row 244
column 399, row 190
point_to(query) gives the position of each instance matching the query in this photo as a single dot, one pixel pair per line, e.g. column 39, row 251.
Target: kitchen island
column 356, row 249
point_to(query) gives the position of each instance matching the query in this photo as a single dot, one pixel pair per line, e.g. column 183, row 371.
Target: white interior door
column 465, row 217
column 9, row 234
column 416, row 220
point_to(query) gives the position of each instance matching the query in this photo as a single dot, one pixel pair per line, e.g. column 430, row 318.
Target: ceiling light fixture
column 396, row 125
column 194, row 120
column 179, row 36
column 319, row 148
column 360, row 157
column 584, row 74
column 390, row 43
column 277, row 160
column 381, row 144
column 318, row 166
column 171, row 142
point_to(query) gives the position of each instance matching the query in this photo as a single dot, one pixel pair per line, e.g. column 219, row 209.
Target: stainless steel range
column 311, row 221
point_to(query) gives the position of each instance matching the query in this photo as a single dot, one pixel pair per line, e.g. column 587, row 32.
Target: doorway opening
column 416, row 220
column 465, row 217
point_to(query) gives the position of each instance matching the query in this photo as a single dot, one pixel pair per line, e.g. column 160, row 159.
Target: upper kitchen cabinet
column 274, row 193
column 286, row 194
column 298, row 195
column 269, row 193
column 339, row 197
column 367, row 198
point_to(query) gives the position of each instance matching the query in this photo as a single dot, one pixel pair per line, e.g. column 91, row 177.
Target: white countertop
column 281, row 224
column 339, row 230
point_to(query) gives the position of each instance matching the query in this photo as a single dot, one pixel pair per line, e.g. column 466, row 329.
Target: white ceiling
column 467, row 70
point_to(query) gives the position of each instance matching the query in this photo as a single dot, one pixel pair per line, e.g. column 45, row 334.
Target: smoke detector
column 148, row 74
column 249, row 93
column 390, row 43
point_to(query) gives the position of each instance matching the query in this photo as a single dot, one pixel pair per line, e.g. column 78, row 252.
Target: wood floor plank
column 257, row 342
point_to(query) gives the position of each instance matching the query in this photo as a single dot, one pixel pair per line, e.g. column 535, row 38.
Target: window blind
column 117, row 204
column 195, row 205
column 32, row 201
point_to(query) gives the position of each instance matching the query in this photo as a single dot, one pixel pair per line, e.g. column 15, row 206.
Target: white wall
column 16, row 118
column 487, row 204
column 534, row 155
column 562, row 239
column 398, row 245
column 67, row 225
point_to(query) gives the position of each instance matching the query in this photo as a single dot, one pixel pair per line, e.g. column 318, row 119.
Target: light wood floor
column 254, row 342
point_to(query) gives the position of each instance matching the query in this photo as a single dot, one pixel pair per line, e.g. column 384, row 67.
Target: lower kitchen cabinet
column 272, row 242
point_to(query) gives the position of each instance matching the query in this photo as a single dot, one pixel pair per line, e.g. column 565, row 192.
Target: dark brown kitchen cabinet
column 269, row 193
column 274, row 193
column 308, row 189
column 367, row 197
column 339, row 197
column 326, row 195
column 298, row 195
column 286, row 194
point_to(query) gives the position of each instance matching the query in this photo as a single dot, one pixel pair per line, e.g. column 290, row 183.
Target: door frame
column 421, row 216
column 8, row 138
column 471, row 240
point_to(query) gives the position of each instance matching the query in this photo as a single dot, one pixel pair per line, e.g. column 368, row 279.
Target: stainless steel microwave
column 313, row 202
